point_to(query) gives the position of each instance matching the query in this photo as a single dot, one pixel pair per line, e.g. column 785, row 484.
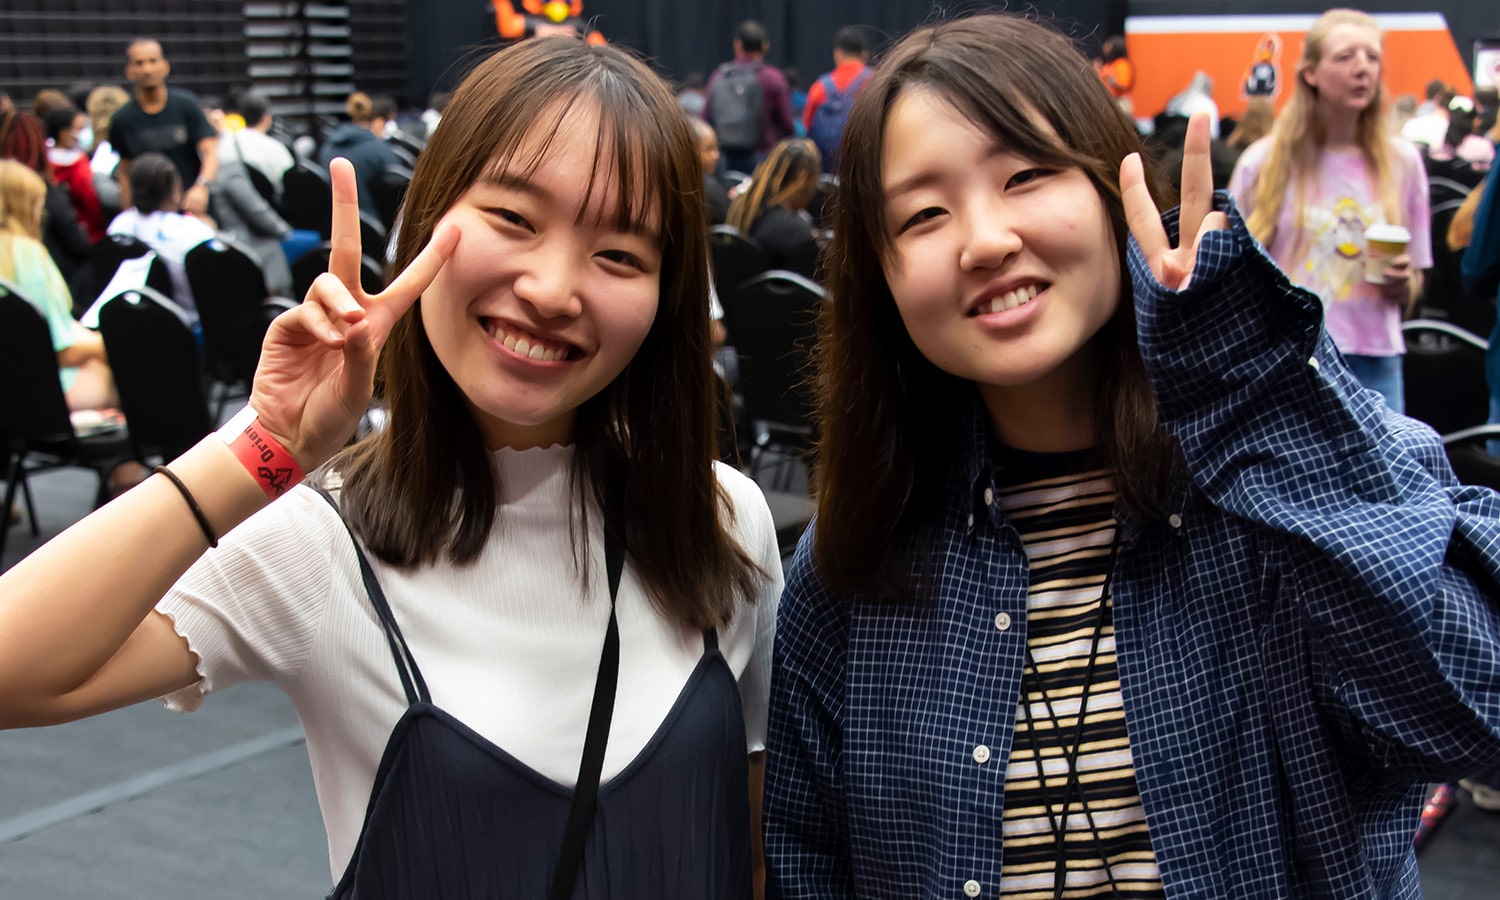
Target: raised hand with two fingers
column 1173, row 266
column 317, row 365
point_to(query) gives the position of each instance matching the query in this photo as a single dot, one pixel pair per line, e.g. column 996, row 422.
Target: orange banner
column 1258, row 54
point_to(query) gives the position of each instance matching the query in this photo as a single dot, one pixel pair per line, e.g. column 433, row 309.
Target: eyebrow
column 524, row 185
column 929, row 177
column 922, row 179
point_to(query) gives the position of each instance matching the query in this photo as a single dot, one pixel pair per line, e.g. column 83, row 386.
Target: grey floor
column 219, row 804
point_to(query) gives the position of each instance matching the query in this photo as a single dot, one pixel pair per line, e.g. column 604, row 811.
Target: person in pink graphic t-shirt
column 1326, row 173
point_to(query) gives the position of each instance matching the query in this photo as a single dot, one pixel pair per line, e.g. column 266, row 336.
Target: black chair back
column 389, row 190
column 315, row 262
column 737, row 258
column 104, row 260
column 158, row 372
column 35, row 427
column 373, row 235
column 806, row 259
column 229, row 288
column 403, row 152
column 33, row 407
column 1443, row 294
column 307, row 194
column 775, row 320
column 1444, row 374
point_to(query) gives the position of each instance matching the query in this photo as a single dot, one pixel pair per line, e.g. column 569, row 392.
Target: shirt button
column 981, row 754
column 1002, row 621
column 971, row 888
column 1313, row 361
column 1174, row 520
column 989, row 496
column 971, row 520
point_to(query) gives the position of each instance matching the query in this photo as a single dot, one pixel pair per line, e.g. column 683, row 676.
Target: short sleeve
column 120, row 135
column 250, row 609
column 198, row 124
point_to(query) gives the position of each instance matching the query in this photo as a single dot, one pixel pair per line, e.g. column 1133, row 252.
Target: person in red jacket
column 69, row 166
column 850, row 50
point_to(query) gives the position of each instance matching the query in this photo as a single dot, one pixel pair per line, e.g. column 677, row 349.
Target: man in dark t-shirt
column 157, row 120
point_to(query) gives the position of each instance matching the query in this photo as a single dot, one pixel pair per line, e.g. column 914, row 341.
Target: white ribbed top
column 508, row 645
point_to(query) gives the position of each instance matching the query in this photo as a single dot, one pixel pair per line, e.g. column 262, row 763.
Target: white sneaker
column 1484, row 797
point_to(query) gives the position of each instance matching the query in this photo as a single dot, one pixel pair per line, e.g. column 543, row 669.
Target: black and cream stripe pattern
column 1066, row 522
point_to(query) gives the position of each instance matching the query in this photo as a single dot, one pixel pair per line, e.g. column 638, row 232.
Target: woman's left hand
column 1173, row 266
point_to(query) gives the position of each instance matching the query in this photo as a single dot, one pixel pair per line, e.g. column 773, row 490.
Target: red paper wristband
column 268, row 462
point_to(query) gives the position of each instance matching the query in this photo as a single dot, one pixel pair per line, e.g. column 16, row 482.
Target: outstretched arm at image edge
column 77, row 631
column 1394, row 563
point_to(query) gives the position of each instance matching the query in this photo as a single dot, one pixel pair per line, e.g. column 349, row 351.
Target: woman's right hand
column 317, row 365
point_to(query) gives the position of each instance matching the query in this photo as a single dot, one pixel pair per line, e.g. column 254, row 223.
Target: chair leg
column 784, row 471
column 12, row 477
column 220, row 391
column 30, row 503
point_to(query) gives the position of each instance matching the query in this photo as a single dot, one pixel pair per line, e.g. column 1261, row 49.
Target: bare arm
column 87, row 346
column 195, row 199
column 78, row 639
column 208, row 159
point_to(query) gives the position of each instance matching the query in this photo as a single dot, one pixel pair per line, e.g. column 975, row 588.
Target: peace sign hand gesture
column 1173, row 266
column 317, row 365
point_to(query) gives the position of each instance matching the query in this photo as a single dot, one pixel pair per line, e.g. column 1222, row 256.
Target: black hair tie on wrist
column 192, row 503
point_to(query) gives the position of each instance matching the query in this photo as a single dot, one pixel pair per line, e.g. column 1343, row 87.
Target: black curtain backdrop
column 685, row 36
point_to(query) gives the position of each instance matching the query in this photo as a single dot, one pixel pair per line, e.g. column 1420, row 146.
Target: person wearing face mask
column 69, row 166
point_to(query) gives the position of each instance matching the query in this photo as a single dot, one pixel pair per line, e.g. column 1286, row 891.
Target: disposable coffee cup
column 1383, row 243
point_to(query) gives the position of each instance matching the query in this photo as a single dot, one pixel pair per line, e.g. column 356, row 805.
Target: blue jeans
column 1493, row 447
column 1381, row 374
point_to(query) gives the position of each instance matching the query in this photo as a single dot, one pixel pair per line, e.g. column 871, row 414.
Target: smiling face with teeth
column 549, row 293
column 1002, row 269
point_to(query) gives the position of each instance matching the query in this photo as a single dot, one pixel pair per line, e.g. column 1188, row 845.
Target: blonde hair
column 360, row 108
column 1300, row 135
column 102, row 104
column 22, row 195
column 785, row 171
column 1256, row 123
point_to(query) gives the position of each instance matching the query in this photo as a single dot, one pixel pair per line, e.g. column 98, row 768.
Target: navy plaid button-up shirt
column 1310, row 634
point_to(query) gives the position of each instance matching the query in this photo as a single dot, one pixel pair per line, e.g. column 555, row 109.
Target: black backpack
column 735, row 100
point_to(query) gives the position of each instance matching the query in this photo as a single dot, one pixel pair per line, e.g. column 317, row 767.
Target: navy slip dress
column 453, row 816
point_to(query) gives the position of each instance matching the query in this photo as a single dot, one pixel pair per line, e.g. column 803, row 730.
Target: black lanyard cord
column 1058, row 822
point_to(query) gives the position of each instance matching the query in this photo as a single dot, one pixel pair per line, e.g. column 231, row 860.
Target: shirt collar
column 980, row 455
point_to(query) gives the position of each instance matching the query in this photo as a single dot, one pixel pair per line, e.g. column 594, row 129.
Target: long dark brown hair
column 887, row 415
column 424, row 489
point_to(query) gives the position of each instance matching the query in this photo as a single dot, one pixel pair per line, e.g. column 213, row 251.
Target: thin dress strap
column 406, row 665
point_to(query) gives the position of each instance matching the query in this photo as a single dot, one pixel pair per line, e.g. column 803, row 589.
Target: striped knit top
column 1064, row 513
